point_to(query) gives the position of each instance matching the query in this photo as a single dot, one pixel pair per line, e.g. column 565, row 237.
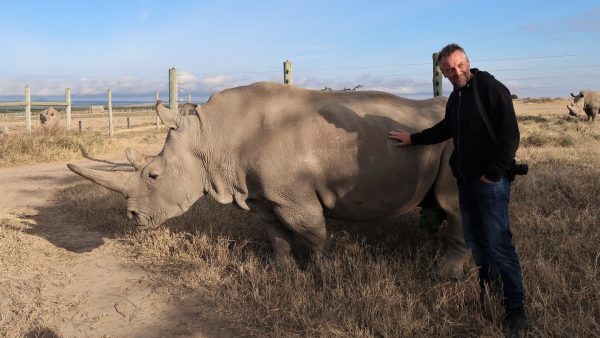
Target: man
column 479, row 163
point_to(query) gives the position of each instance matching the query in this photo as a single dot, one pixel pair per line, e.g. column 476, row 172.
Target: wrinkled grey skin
column 295, row 156
column 49, row 117
column 591, row 103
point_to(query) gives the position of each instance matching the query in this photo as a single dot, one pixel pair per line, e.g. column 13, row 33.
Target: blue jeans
column 484, row 209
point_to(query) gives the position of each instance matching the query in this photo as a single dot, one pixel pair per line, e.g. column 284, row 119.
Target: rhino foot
column 451, row 267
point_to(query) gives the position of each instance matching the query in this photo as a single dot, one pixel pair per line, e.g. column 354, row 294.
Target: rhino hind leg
column 431, row 214
column 446, row 196
column 591, row 112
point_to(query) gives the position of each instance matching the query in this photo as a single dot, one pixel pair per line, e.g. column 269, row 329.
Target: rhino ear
column 168, row 116
column 137, row 159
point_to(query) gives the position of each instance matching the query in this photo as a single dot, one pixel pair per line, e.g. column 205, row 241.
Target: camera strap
column 482, row 112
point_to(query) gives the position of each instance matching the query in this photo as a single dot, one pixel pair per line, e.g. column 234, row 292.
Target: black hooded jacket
column 475, row 153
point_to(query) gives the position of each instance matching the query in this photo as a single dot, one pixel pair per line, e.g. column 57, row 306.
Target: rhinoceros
column 294, row 157
column 49, row 118
column 591, row 102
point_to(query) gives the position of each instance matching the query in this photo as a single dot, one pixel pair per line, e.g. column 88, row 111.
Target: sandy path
column 76, row 276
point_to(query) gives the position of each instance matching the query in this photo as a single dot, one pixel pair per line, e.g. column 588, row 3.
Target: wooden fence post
column 157, row 117
column 128, row 124
column 437, row 76
column 80, row 126
column 287, row 72
column 110, row 113
column 68, row 108
column 28, row 107
column 173, row 89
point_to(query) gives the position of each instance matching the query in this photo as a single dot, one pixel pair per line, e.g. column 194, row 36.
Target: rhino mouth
column 140, row 220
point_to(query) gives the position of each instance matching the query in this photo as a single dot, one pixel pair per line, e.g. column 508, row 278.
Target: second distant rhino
column 591, row 103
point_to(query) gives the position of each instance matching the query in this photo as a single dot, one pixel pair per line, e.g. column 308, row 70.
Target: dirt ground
column 93, row 292
column 76, row 274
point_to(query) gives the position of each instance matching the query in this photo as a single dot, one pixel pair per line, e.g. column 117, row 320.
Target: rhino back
column 591, row 98
column 284, row 137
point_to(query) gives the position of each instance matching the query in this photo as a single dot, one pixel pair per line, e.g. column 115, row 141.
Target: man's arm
column 436, row 134
column 504, row 122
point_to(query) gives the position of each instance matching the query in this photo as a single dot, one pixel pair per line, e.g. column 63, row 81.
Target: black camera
column 516, row 169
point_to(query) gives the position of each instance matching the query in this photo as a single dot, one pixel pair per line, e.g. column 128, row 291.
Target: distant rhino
column 49, row 118
column 591, row 102
column 294, row 156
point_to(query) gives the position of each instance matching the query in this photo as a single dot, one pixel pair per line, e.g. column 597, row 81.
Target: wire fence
column 573, row 72
column 413, row 79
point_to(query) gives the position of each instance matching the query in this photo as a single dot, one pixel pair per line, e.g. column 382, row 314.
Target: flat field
column 72, row 266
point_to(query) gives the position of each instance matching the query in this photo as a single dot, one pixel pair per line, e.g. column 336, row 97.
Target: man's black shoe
column 515, row 322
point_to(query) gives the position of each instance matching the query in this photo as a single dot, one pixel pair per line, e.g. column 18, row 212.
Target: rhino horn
column 114, row 181
column 168, row 116
column 136, row 158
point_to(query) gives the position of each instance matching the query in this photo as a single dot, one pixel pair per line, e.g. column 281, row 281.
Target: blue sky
column 537, row 48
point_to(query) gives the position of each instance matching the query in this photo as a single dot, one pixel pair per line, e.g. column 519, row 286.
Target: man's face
column 456, row 68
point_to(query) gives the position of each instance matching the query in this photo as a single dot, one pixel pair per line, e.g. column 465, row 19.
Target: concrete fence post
column 68, row 108
column 173, row 89
column 28, row 107
column 437, row 76
column 110, row 113
column 287, row 72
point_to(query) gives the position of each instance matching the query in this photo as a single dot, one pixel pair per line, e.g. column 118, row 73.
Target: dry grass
column 376, row 279
column 49, row 145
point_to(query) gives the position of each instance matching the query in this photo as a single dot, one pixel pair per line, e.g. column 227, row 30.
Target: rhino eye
column 154, row 175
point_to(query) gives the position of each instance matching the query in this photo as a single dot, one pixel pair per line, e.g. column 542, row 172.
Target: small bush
column 535, row 140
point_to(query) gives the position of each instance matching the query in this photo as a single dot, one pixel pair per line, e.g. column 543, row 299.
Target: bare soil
column 74, row 276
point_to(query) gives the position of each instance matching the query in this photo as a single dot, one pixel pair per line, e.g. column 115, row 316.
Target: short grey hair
column 449, row 49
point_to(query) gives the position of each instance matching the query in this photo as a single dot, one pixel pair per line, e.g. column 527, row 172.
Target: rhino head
column 161, row 186
column 578, row 97
column 572, row 109
column 48, row 116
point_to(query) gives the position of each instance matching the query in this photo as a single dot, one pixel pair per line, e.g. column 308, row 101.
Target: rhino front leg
column 307, row 224
column 281, row 238
column 281, row 241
